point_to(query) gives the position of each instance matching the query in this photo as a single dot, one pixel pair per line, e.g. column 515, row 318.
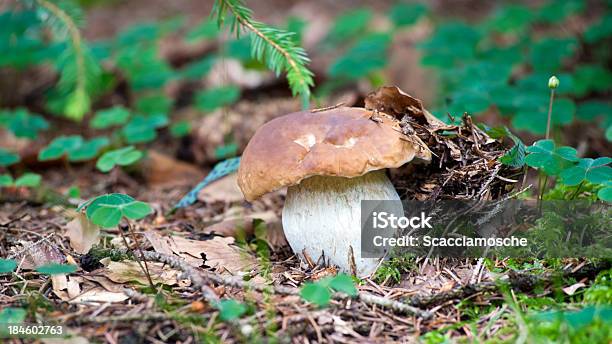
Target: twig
column 199, row 279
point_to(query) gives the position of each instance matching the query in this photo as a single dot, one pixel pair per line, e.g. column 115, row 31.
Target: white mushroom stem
column 322, row 215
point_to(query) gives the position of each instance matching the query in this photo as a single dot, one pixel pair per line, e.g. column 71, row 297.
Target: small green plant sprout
column 552, row 160
column 107, row 210
column 8, row 158
column 595, row 171
column 143, row 128
column 122, row 157
column 12, row 315
column 117, row 115
column 74, row 146
column 230, row 309
column 320, row 292
column 22, row 123
column 213, row 98
column 180, row 129
column 56, row 269
column 7, row 265
column 28, row 180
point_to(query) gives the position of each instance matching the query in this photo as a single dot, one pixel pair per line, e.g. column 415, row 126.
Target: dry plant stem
column 200, row 278
column 143, row 268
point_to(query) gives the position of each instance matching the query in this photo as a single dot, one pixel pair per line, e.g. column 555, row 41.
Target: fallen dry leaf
column 222, row 190
column 572, row 288
column 129, row 271
column 161, row 170
column 82, row 233
column 219, row 253
column 98, row 294
column 31, row 255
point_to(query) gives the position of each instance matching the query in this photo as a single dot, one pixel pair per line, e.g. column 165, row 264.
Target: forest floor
column 230, row 254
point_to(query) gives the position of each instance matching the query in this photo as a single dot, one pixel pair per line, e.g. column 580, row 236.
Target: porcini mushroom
column 330, row 161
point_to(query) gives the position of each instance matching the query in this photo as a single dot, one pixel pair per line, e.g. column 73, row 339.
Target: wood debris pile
column 465, row 160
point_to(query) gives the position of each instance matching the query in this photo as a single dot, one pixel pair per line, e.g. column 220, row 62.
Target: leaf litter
column 218, row 238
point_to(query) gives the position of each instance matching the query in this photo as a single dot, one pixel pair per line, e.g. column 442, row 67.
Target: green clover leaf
column 12, row 315
column 88, row 149
column 122, row 157
column 343, row 283
column 213, row 98
column 316, row 293
column 6, row 180
column 7, row 265
column 60, row 146
column 117, row 115
column 28, row 180
column 593, row 170
column 550, row 159
column 143, row 128
column 230, row 309
column 56, row 269
column 106, row 211
column 8, row 158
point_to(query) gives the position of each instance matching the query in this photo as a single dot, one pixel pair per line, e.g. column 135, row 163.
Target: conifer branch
column 273, row 46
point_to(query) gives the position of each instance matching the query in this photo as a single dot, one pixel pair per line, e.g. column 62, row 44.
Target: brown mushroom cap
column 342, row 142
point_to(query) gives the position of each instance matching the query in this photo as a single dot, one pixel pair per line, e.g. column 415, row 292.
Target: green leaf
column 77, row 105
column 60, row 146
column 348, row 26
column 406, row 14
column 609, row 133
column 6, row 266
column 548, row 54
column 180, row 129
column 12, row 315
column 56, row 269
column 558, row 11
column 534, row 118
column 515, row 157
column 343, row 283
column 550, row 159
column 24, row 124
column 597, row 171
column 136, row 210
column 153, row 104
column 143, row 128
column 208, row 29
column 122, row 157
column 106, row 118
column 366, row 56
column 605, row 194
column 600, row 30
column 316, row 293
column 28, row 180
column 591, row 109
column 8, row 158
column 226, row 151
column 108, row 199
column 198, row 69
column 88, row 150
column 6, row 180
column 591, row 78
column 510, row 18
column 213, row 98
column 106, row 216
column 230, row 309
